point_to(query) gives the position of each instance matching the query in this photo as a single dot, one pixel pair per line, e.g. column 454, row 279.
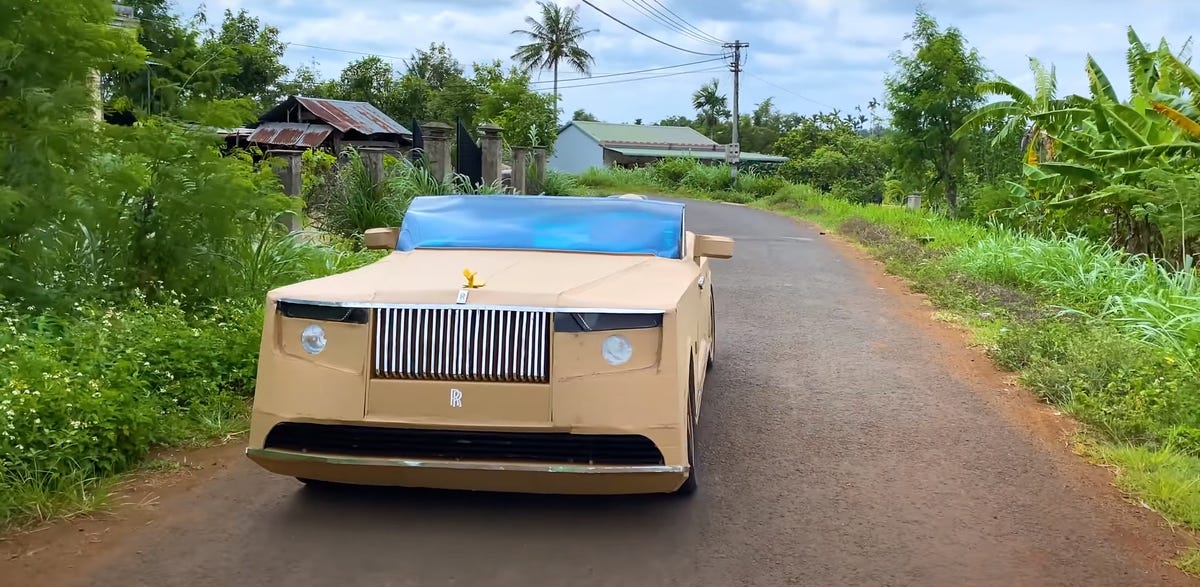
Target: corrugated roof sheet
column 697, row 154
column 291, row 134
column 359, row 116
column 606, row 132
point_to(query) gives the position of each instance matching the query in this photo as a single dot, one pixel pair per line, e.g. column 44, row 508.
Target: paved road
column 838, row 446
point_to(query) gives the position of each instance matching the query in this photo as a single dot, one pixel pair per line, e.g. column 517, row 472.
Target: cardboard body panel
column 498, row 405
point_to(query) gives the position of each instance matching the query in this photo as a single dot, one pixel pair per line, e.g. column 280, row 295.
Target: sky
column 807, row 55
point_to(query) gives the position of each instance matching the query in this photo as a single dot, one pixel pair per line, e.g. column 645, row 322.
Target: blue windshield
column 547, row 223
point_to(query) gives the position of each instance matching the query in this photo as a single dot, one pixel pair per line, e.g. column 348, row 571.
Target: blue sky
column 808, row 55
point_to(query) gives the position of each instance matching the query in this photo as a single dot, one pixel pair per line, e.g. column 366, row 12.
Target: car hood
column 518, row 278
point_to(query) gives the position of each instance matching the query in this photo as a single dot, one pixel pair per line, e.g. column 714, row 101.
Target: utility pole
column 733, row 152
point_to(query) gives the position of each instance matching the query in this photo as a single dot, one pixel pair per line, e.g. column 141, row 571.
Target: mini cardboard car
column 505, row 343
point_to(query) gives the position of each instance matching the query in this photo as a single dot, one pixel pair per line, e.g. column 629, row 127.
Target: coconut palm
column 554, row 40
column 710, row 104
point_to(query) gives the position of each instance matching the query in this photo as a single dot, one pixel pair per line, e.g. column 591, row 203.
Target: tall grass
column 1147, row 301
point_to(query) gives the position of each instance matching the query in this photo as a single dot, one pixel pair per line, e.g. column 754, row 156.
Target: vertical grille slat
column 462, row 344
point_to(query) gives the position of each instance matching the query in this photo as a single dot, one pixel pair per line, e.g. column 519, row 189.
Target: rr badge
column 455, row 398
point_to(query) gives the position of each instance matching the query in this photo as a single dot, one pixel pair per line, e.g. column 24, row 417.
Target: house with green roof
column 582, row 144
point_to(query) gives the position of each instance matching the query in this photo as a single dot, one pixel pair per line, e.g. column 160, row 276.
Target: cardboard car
column 505, row 343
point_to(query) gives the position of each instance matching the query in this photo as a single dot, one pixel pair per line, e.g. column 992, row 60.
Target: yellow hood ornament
column 470, row 275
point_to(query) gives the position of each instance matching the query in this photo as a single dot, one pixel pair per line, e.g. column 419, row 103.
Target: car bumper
column 473, row 475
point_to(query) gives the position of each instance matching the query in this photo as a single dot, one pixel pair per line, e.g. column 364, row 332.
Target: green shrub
column 1128, row 391
column 671, row 170
column 616, row 177
column 758, row 185
column 709, row 178
column 560, row 184
column 91, row 393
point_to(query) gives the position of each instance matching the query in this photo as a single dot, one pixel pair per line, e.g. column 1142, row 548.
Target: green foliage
column 47, row 53
column 831, row 153
column 929, row 97
column 253, row 52
column 527, row 117
column 711, row 105
column 88, row 394
column 560, row 184
column 1095, row 165
column 758, row 185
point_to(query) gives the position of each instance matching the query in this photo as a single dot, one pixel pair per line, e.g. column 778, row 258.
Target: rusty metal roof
column 290, row 134
column 343, row 115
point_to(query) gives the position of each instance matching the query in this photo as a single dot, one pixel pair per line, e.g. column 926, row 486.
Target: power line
column 347, row 51
column 790, row 91
column 688, row 24
column 630, row 72
column 637, row 79
column 655, row 14
column 622, row 23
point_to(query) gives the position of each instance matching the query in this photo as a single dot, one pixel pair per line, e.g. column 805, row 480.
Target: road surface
column 846, row 439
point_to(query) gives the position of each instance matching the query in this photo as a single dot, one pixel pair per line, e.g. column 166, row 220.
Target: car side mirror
column 381, row 238
column 713, row 247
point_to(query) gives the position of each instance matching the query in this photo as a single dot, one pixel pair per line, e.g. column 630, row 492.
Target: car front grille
column 408, row 443
column 462, row 344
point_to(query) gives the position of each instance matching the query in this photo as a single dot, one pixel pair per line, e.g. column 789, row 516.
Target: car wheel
column 691, row 484
column 712, row 347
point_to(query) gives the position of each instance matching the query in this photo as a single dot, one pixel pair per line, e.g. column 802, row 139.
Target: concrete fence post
column 519, row 165
column 373, row 158
column 538, row 182
column 437, row 148
column 491, row 146
column 293, row 183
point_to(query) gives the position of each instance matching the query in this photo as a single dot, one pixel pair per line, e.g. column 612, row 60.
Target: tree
column 554, row 40
column 254, row 52
column 934, row 91
column 710, row 105
column 436, row 67
column 48, row 55
column 506, row 99
column 582, row 114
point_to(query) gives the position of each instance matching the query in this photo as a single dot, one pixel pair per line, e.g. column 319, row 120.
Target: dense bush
column 1128, row 391
column 90, row 393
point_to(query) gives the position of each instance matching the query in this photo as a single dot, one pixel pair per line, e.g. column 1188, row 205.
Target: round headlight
column 617, row 350
column 313, row 339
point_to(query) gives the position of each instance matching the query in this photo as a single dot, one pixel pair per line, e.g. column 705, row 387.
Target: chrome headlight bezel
column 313, row 339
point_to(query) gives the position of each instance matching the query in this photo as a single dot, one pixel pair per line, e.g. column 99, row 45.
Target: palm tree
column 710, row 104
column 555, row 39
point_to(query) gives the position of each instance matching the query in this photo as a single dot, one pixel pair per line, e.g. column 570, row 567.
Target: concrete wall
column 575, row 151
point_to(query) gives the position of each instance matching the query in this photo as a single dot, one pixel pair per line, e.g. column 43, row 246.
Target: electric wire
column 688, row 24
column 802, row 97
column 660, row 41
column 637, row 79
column 656, row 15
column 604, row 75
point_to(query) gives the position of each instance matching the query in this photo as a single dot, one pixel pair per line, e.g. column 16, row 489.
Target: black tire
column 692, row 483
column 712, row 324
column 317, row 484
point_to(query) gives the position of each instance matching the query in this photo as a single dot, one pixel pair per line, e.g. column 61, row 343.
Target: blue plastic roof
column 547, row 223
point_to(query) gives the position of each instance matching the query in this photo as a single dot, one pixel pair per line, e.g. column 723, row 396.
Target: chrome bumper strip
column 287, row 455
